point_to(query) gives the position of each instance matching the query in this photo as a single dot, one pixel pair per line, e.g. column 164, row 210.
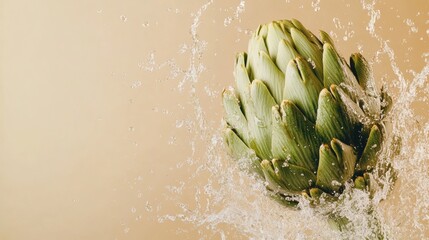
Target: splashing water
column 230, row 199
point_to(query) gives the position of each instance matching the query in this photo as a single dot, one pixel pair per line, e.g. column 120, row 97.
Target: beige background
column 98, row 118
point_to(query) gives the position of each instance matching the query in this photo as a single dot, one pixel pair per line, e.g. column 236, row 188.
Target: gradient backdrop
column 98, row 118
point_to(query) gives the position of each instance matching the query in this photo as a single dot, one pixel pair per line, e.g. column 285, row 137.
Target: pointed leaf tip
column 369, row 156
column 267, row 71
column 348, row 157
column 274, row 36
column 331, row 120
column 362, row 71
column 333, row 72
column 280, row 139
column 237, row 148
column 273, row 182
column 360, row 183
column 285, row 53
column 302, row 87
column 326, row 38
column 308, row 50
column 336, row 165
column 260, row 122
column 302, row 139
column 234, row 115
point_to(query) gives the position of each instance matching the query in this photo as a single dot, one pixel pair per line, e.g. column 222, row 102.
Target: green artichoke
column 308, row 121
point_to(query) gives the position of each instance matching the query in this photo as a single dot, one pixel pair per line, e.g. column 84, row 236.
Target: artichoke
column 306, row 120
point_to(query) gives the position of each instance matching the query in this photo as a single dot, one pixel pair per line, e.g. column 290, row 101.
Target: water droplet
column 337, row 23
column 316, row 5
column 172, row 140
column 123, row 18
column 136, row 84
column 145, row 24
column 179, row 123
column 411, row 24
column 148, row 207
column 227, row 21
column 335, row 183
column 176, row 10
column 260, row 123
column 313, row 64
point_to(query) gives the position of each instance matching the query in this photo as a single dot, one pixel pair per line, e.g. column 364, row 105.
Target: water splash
column 232, row 197
column 240, row 8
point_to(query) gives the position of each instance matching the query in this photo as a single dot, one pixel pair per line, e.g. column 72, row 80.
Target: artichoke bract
column 306, row 120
